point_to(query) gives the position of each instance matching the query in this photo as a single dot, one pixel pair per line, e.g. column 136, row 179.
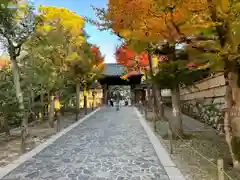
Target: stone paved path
column 109, row 145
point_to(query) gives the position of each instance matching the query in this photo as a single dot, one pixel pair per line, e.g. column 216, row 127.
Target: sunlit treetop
column 17, row 23
column 61, row 18
column 98, row 58
column 154, row 20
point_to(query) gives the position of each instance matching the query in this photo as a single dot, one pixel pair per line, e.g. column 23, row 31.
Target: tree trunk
column 154, row 92
column 232, row 95
column 93, row 103
column 85, row 101
column 105, row 95
column 160, row 104
column 155, row 105
column 49, row 96
column 232, row 119
column 176, row 122
column 19, row 95
column 42, row 104
column 77, row 100
column 149, row 98
column 51, row 111
column 146, row 104
column 32, row 109
column 5, row 126
column 32, row 97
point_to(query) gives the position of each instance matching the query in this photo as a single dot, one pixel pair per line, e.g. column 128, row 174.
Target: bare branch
column 209, row 50
column 185, row 39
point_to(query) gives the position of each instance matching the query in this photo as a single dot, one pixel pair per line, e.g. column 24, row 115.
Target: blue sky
column 105, row 40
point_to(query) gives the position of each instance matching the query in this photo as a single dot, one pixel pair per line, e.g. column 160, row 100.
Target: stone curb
column 172, row 171
column 10, row 167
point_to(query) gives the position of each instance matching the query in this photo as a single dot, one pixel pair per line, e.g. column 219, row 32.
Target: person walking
column 111, row 102
column 118, row 97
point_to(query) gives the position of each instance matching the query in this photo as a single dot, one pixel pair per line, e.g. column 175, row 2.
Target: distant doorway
column 125, row 93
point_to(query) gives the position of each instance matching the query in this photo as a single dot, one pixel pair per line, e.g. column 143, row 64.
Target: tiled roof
column 113, row 69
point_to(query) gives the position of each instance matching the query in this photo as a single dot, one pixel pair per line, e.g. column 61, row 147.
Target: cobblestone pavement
column 110, row 145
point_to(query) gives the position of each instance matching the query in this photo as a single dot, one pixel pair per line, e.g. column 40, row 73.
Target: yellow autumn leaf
column 73, row 56
column 80, row 39
column 125, row 33
column 205, row 66
column 124, row 77
column 143, row 78
column 22, row 5
column 47, row 28
column 101, row 64
column 155, row 61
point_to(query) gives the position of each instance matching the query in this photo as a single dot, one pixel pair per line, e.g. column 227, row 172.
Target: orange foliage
column 99, row 59
column 4, row 63
column 154, row 20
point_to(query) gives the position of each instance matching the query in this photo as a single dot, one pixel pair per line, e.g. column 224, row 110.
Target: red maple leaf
column 130, row 59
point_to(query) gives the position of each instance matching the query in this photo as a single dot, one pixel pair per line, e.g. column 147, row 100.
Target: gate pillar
column 105, row 94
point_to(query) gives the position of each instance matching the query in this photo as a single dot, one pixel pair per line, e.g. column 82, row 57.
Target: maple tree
column 84, row 69
column 179, row 73
column 98, row 57
column 222, row 23
column 225, row 15
column 138, row 63
column 172, row 74
column 131, row 60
